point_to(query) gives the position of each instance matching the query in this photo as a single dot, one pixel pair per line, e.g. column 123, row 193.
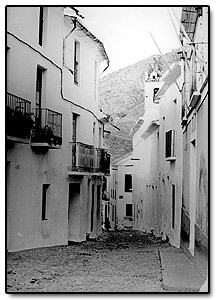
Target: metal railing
column 45, row 117
column 19, row 120
column 87, row 158
column 18, row 104
column 82, row 156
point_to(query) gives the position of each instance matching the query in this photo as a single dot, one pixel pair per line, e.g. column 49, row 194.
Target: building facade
column 170, row 153
column 147, row 205
column 121, row 214
column 194, row 225
column 54, row 136
column 170, row 142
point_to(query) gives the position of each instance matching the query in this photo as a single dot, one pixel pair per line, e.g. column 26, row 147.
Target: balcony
column 19, row 120
column 105, row 162
column 86, row 158
column 47, row 132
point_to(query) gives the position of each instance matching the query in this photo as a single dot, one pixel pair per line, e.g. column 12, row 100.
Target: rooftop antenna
column 189, row 41
column 182, row 48
column 164, row 59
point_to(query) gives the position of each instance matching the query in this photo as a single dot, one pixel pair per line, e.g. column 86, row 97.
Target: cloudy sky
column 124, row 31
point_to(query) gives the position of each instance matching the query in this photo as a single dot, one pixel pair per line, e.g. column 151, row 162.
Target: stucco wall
column 171, row 171
column 84, row 91
column 124, row 197
column 53, row 29
column 202, row 166
column 28, row 170
column 195, row 157
column 147, row 206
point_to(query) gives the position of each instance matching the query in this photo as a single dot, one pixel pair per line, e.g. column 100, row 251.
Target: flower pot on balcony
column 45, row 137
column 18, row 124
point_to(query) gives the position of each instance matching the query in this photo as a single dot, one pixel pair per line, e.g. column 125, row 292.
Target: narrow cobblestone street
column 122, row 261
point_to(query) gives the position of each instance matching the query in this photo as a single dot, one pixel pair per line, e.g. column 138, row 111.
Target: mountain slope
column 122, row 97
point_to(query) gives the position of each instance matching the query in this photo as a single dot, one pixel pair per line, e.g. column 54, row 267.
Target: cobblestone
column 122, row 261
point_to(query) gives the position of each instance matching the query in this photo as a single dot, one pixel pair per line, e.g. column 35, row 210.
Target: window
column 170, row 143
column 74, row 127
column 100, row 136
column 128, row 182
column 45, row 188
column 39, row 93
column 41, row 22
column 154, row 93
column 39, row 86
column 93, row 131
column 76, row 62
column 173, row 205
column 129, row 210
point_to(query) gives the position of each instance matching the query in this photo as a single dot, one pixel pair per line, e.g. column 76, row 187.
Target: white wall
column 28, row 170
column 125, row 166
column 171, row 171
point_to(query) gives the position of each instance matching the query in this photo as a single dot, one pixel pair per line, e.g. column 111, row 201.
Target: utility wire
column 59, row 68
column 189, row 41
column 182, row 48
column 164, row 59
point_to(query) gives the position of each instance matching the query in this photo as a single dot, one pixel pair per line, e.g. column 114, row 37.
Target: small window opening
column 170, row 143
column 45, row 188
column 173, row 206
column 129, row 210
column 128, row 182
column 41, row 21
column 76, row 62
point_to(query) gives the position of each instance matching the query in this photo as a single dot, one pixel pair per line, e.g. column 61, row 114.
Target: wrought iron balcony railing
column 48, row 127
column 19, row 121
column 82, row 157
column 87, row 158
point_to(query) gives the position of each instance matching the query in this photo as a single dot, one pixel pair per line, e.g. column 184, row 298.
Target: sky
column 124, row 31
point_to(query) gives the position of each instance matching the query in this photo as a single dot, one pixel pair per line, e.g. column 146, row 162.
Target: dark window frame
column 173, row 196
column 170, row 143
column 76, row 62
column 129, row 210
column 41, row 25
column 45, row 188
column 128, row 183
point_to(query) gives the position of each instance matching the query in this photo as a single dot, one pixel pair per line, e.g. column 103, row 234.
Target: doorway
column 92, row 208
column 74, row 211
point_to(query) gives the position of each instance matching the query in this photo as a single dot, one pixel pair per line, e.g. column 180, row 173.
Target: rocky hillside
column 122, row 97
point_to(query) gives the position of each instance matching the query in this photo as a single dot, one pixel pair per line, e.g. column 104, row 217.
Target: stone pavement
column 115, row 262
column 179, row 273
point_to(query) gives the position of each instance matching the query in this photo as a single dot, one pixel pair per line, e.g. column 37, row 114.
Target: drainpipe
column 63, row 58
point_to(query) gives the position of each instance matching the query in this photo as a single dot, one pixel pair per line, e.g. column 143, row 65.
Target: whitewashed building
column 121, row 210
column 147, row 206
column 195, row 125
column 170, row 142
column 54, row 133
